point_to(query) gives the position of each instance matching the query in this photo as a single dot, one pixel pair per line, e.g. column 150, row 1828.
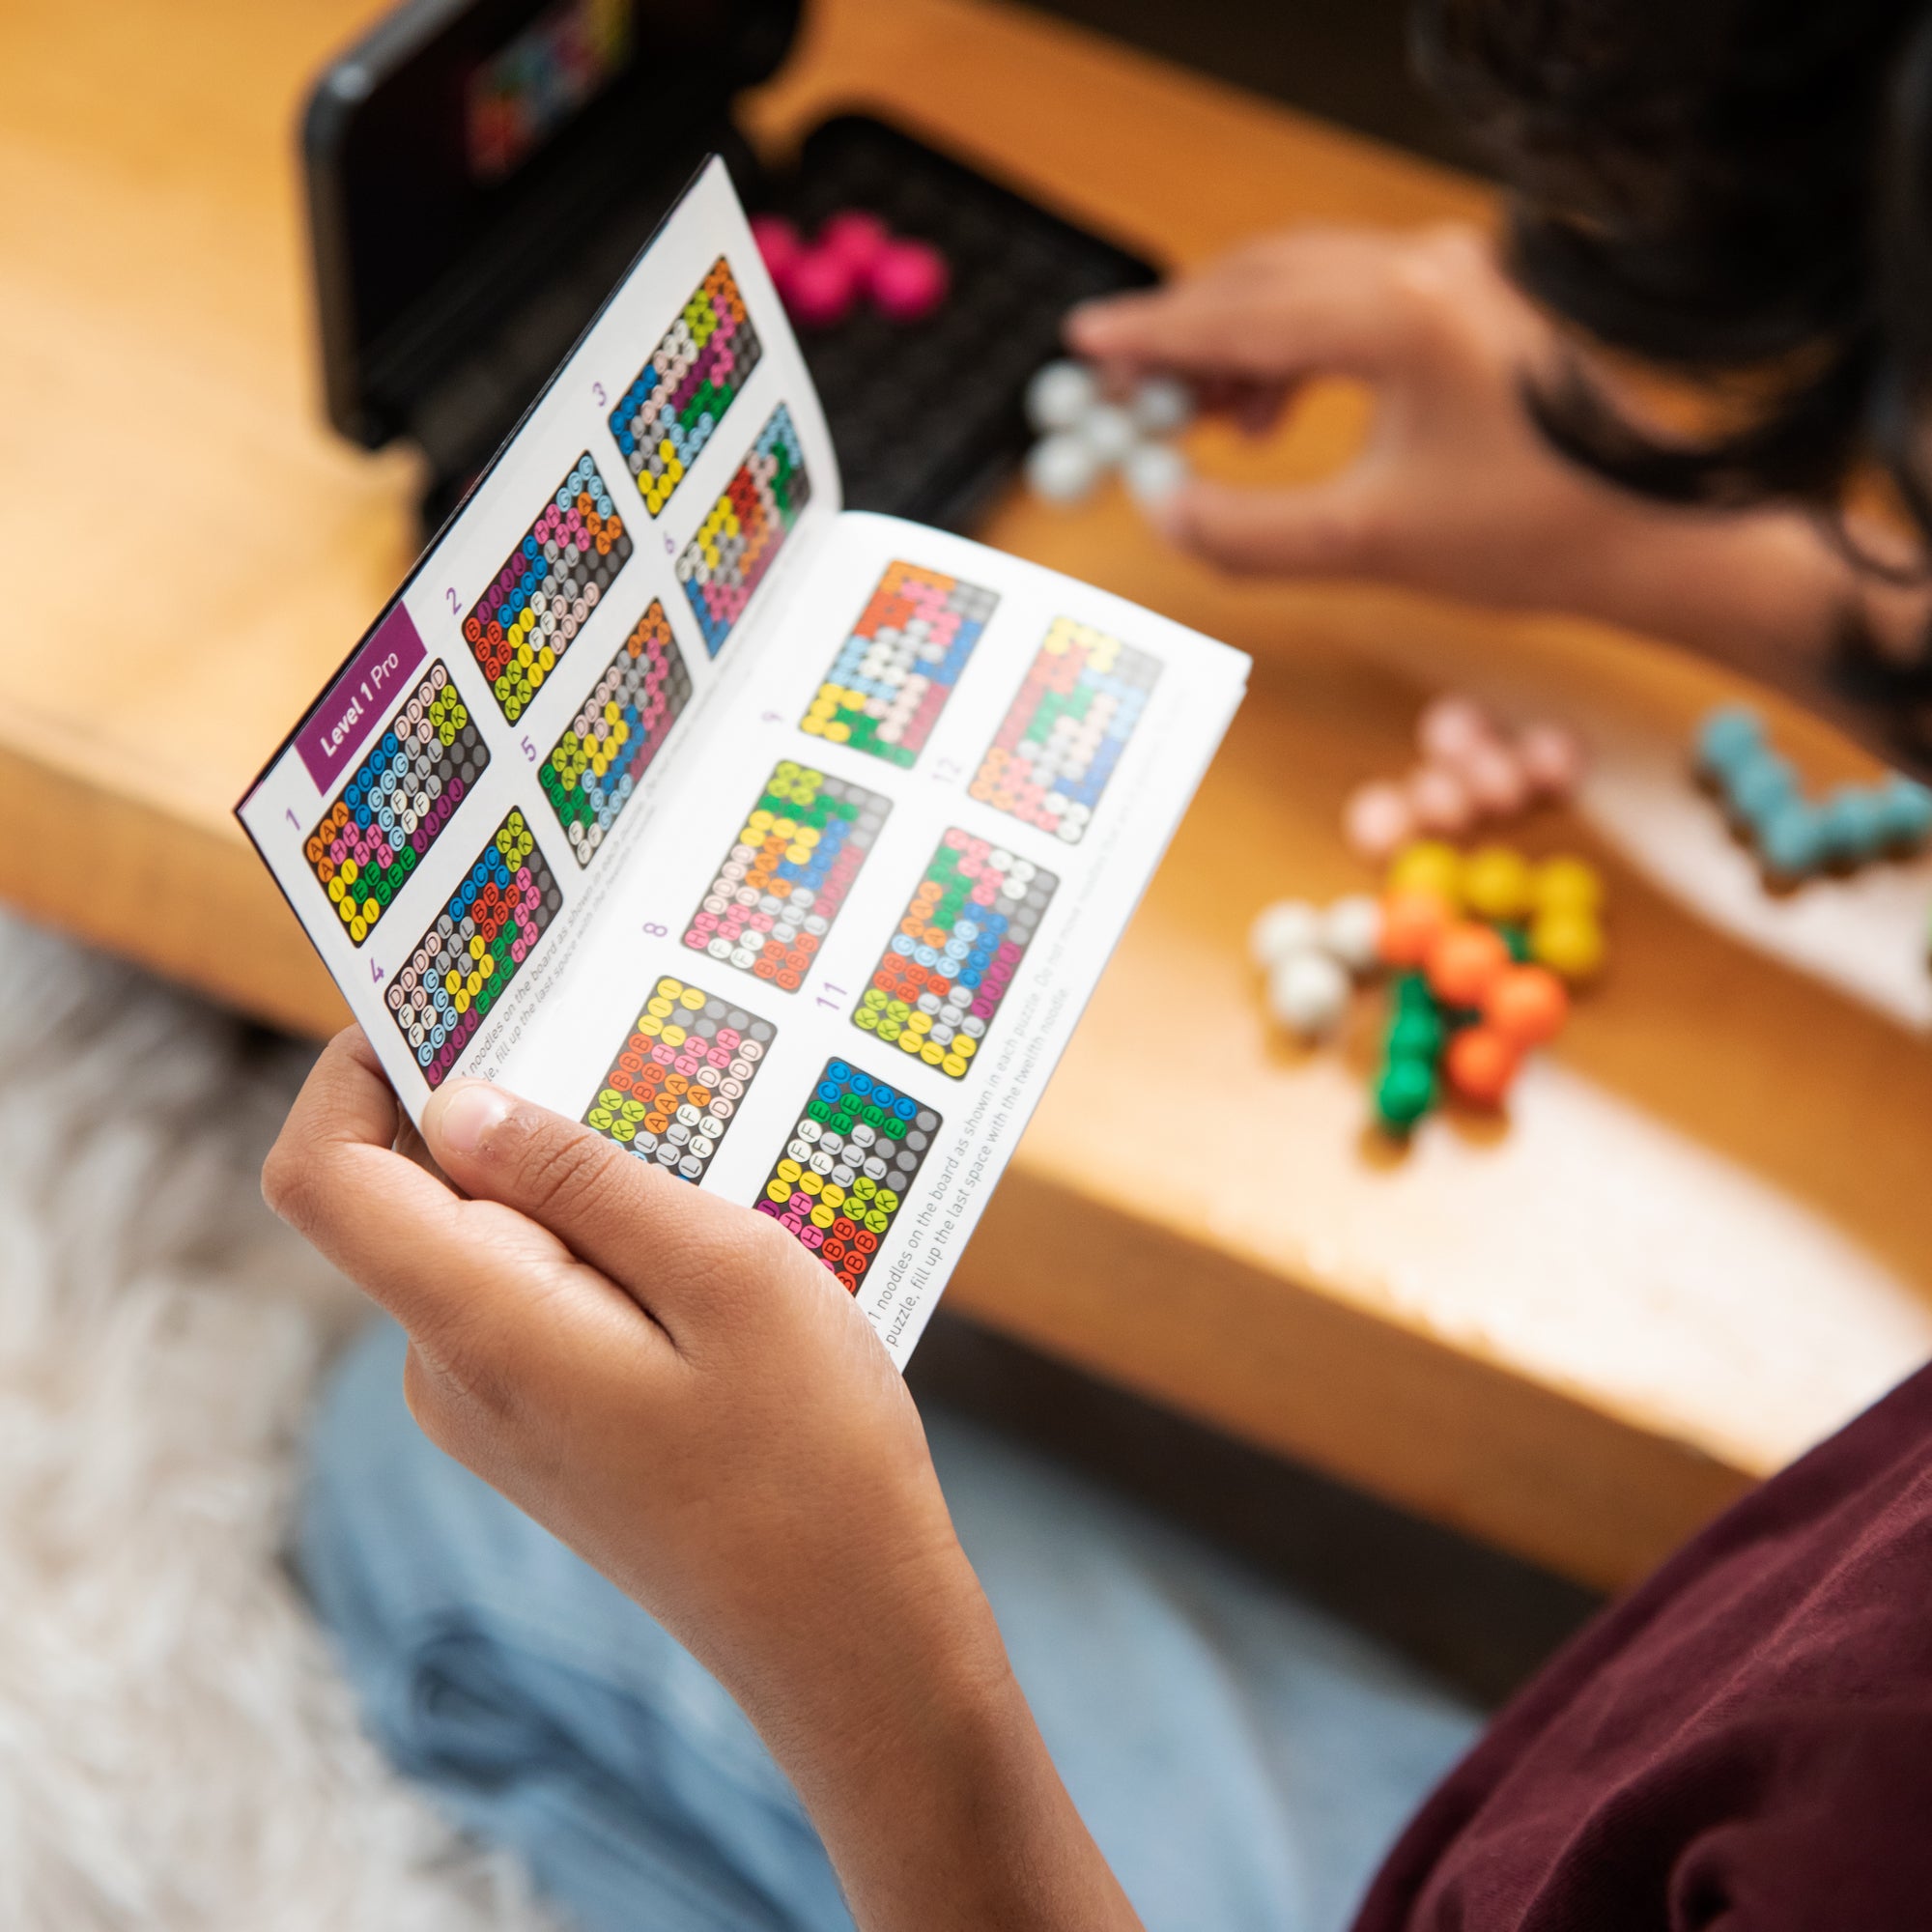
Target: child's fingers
column 1185, row 327
column 683, row 1255
column 1327, row 529
column 1317, row 302
column 460, row 1276
column 333, row 1173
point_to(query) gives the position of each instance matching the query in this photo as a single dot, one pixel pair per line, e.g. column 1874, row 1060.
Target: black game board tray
column 446, row 293
column 926, row 416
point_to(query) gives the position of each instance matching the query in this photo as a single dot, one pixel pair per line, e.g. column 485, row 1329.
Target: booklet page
column 445, row 817
column 833, row 975
column 782, row 848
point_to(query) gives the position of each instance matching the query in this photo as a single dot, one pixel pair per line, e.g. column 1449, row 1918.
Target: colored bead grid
column 743, row 532
column 680, row 396
column 939, row 983
column 851, row 1160
column 391, row 810
column 547, row 589
column 596, row 765
column 783, row 882
column 893, row 676
column 678, row 1080
column 464, row 962
column 1064, row 734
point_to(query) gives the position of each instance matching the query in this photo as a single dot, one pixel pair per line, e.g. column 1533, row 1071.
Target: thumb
column 1326, row 529
column 669, row 1244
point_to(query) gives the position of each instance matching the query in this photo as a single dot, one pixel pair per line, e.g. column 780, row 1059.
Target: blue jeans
column 1242, row 1761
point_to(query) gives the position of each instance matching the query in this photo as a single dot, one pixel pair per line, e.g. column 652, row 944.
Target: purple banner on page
column 378, row 676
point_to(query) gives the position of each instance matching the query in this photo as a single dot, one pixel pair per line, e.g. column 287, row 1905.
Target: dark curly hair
column 1730, row 189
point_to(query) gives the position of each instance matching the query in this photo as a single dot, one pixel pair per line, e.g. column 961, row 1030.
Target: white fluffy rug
column 176, row 1748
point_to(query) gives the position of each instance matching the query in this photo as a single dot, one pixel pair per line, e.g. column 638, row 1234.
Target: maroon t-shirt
column 1745, row 1744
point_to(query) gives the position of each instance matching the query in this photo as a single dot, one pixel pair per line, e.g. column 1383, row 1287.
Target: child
column 1735, row 190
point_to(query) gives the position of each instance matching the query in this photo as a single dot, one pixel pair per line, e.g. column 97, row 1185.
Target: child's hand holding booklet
column 783, row 846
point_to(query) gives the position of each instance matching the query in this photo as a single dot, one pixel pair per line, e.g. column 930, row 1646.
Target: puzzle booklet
column 780, row 844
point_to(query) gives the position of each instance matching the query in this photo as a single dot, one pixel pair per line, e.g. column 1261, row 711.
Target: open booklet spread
column 781, row 845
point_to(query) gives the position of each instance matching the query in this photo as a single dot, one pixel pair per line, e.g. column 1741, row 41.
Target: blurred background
column 1455, row 1387
column 1347, row 63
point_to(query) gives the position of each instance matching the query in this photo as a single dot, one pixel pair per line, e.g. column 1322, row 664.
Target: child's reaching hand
column 1455, row 490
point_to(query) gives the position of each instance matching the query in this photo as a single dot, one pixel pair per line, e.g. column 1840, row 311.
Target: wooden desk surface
column 1696, row 1247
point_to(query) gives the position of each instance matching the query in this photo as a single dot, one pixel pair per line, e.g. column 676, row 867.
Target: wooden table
column 1697, row 1244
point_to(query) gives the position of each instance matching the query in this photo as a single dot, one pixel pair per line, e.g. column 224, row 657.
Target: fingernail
column 464, row 1115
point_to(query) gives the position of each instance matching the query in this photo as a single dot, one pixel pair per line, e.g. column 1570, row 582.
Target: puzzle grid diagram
column 604, row 753
column 940, row 982
column 851, row 1160
column 464, row 962
column 1065, row 731
column 742, row 534
column 399, row 799
column 547, row 589
column 675, row 1083
column 518, row 96
column 678, row 398
column 895, row 672
column 774, row 898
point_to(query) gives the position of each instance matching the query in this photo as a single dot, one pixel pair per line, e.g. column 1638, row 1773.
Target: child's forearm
column 1770, row 593
column 942, row 1812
